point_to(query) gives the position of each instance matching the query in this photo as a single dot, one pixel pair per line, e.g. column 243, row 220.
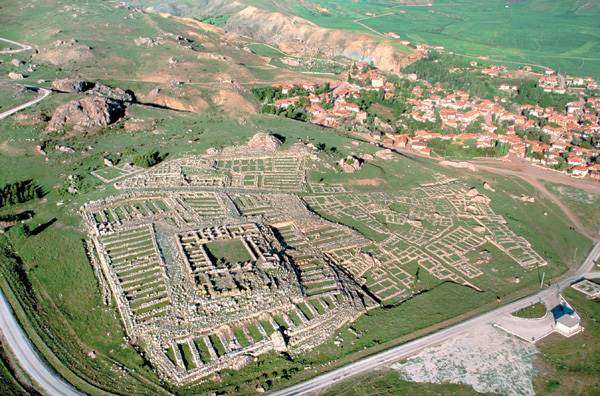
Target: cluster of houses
column 334, row 108
column 482, row 122
column 549, row 80
column 457, row 110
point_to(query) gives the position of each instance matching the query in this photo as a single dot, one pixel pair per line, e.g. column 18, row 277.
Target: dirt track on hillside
column 535, row 176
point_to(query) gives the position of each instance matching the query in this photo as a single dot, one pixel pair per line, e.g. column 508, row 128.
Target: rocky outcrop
column 488, row 186
column 69, row 85
column 113, row 93
column 89, row 113
column 350, row 164
column 264, row 142
column 148, row 42
column 385, row 154
column 524, row 198
column 15, row 76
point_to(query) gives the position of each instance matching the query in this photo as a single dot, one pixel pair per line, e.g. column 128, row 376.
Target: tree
column 321, row 89
column 149, row 159
column 530, row 93
column 267, row 94
column 437, row 69
column 21, row 230
column 19, row 192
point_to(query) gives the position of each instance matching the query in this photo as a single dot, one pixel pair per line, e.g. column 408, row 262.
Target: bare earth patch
column 182, row 101
column 233, row 103
column 488, row 359
column 11, row 151
column 62, row 55
column 366, row 182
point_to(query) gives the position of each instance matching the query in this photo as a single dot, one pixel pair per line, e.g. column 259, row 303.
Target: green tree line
column 19, row 192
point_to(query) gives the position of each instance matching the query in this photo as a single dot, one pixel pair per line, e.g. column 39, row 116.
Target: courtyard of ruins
column 215, row 259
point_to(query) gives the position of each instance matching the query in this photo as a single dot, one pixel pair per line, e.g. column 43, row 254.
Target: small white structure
column 568, row 323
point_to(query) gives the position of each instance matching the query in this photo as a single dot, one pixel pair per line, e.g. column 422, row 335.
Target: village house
column 457, row 110
column 286, row 102
column 594, row 171
column 579, row 171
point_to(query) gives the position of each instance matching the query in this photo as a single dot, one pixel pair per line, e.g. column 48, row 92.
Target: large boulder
column 350, row 164
column 113, row 93
column 72, row 85
column 264, row 141
column 92, row 112
column 15, row 76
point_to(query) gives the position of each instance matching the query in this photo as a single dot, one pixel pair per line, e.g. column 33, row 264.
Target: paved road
column 28, row 358
column 23, row 47
column 593, row 275
column 42, row 94
column 393, row 355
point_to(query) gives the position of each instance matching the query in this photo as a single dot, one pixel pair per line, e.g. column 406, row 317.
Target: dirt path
column 520, row 166
column 536, row 180
column 42, row 94
column 24, row 47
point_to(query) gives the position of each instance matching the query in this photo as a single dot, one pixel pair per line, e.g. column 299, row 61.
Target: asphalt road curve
column 27, row 356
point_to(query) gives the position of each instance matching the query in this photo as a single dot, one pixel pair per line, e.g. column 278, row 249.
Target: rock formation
column 92, row 112
column 264, row 141
column 72, row 85
column 69, row 85
column 350, row 164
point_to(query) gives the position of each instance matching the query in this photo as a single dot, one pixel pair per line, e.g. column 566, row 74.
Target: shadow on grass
column 42, row 227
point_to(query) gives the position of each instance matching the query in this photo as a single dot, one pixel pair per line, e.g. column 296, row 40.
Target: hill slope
column 277, row 25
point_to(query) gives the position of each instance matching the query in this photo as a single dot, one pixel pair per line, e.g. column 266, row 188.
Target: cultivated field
column 562, row 35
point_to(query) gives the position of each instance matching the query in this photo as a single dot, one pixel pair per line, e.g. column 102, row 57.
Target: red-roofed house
column 579, row 171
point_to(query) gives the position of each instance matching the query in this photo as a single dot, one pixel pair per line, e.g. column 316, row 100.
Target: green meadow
column 564, row 35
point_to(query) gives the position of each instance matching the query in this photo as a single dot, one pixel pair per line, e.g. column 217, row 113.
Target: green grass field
column 12, row 95
column 534, row 311
column 388, row 383
column 584, row 205
column 230, row 251
column 563, row 35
